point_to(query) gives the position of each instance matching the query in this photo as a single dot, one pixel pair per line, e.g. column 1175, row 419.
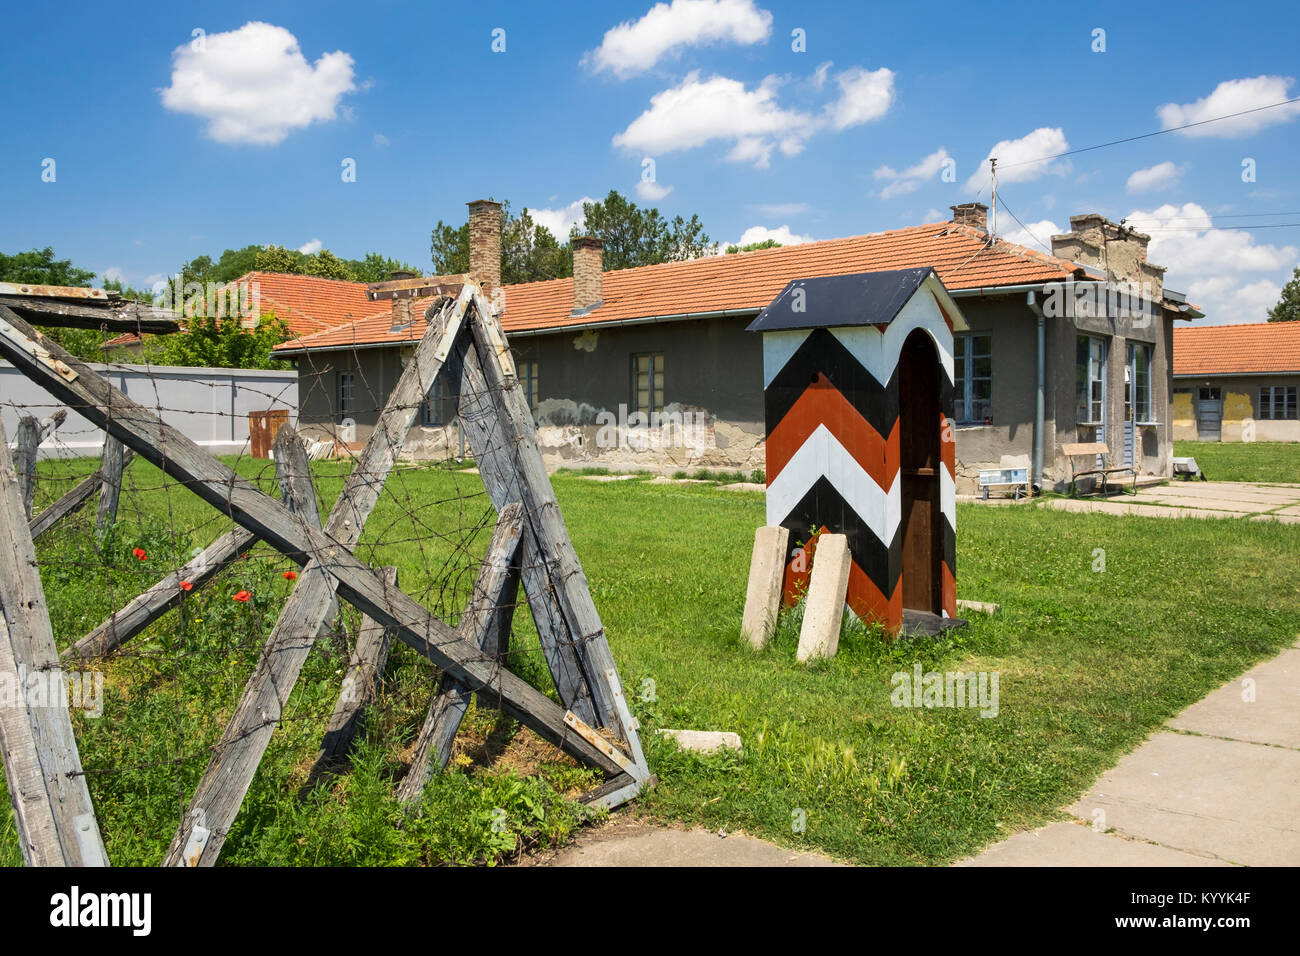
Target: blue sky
column 165, row 148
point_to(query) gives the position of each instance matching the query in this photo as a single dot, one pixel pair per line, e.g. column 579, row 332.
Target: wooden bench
column 1094, row 448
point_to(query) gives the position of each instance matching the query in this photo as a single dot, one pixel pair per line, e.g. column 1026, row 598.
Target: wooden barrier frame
column 504, row 440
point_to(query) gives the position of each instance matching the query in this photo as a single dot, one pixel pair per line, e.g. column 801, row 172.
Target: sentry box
column 858, row 389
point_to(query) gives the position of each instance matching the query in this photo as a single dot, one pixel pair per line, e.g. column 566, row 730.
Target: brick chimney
column 588, row 269
column 971, row 214
column 401, row 305
column 1093, row 240
column 485, row 244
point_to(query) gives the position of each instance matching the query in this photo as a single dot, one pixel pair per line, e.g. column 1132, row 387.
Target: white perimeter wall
column 208, row 405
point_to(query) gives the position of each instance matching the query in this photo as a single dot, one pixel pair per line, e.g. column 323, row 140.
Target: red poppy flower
column 186, row 585
column 242, row 595
column 140, row 554
column 290, row 575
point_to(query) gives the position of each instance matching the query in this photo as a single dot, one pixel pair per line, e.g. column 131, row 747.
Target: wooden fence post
column 27, row 441
column 56, row 821
column 111, row 487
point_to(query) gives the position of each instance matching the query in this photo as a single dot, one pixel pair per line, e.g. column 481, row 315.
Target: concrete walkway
column 1197, row 499
column 1220, row 785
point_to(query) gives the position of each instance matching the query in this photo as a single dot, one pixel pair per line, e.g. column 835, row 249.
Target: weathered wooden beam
column 60, row 373
column 119, row 316
column 418, row 287
column 71, row 502
column 579, row 621
column 486, row 622
column 145, row 608
column 27, row 442
column 293, row 473
column 55, row 818
column 495, row 453
column 230, row 772
column 111, row 483
column 361, row 681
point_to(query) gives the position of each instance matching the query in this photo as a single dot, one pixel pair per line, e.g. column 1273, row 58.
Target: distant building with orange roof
column 1237, row 382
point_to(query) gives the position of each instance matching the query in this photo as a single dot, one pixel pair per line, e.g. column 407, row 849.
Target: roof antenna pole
column 993, row 224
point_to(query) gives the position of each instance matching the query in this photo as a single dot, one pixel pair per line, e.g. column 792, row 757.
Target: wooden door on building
column 919, row 423
column 262, row 429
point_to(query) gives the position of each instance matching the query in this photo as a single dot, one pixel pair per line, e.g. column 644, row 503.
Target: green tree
column 641, row 237
column 279, row 259
column 1288, row 304
column 529, row 252
column 632, row 237
column 754, row 246
column 212, row 342
column 39, row 267
column 378, row 268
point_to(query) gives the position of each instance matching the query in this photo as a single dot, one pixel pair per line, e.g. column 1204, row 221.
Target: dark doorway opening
column 919, row 423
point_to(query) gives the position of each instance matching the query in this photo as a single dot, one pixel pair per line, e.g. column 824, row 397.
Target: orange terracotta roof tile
column 1237, row 349
column 308, row 303
column 741, row 281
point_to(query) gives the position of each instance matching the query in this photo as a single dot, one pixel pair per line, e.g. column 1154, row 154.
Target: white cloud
column 651, row 191
column 1034, row 235
column 910, row 179
column 781, row 234
column 819, row 75
column 1160, row 176
column 310, row 246
column 114, row 274
column 1231, row 276
column 253, row 85
column 1234, row 96
column 865, row 95
column 381, row 140
column 636, row 46
column 560, row 221
column 1042, row 142
column 699, row 111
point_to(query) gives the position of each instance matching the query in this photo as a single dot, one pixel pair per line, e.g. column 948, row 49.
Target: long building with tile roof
column 668, row 340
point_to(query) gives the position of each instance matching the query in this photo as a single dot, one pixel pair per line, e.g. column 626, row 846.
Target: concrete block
column 766, row 571
column 982, row 607
column 827, row 590
column 704, row 741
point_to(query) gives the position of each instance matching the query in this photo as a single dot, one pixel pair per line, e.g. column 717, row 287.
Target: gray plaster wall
column 713, row 373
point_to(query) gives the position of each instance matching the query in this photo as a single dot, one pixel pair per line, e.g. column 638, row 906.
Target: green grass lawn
column 1089, row 662
column 1249, row 461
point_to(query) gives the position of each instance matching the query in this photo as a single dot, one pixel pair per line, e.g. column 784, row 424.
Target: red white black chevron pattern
column 833, row 450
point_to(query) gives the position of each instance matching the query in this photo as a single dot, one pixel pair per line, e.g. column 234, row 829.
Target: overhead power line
column 1159, row 132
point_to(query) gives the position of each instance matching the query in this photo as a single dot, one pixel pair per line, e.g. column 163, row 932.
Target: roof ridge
column 1235, row 325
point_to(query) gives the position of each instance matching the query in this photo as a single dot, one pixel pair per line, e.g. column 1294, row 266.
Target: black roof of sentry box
column 864, row 298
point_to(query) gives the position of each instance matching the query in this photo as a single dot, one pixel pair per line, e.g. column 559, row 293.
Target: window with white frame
column 1090, row 380
column 1277, row 402
column 1137, row 384
column 973, row 377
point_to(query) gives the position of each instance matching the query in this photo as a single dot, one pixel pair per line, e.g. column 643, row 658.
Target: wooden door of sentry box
column 262, row 429
column 844, row 381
